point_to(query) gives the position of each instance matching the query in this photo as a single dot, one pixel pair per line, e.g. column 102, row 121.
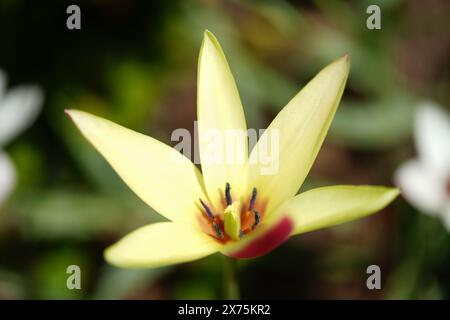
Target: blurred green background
column 135, row 62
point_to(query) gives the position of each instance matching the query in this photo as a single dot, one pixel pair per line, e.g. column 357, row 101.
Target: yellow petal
column 221, row 124
column 161, row 244
column 329, row 206
column 301, row 128
column 159, row 175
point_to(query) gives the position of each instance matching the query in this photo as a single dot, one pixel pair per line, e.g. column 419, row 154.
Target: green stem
column 230, row 282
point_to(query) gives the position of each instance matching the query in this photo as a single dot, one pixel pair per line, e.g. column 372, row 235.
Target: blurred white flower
column 19, row 107
column 425, row 181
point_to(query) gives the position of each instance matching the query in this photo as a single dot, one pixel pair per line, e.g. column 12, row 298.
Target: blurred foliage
column 134, row 62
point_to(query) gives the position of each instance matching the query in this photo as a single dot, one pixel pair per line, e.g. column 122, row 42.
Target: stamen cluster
column 235, row 221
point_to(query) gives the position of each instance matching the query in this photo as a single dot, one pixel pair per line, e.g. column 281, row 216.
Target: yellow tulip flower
column 230, row 208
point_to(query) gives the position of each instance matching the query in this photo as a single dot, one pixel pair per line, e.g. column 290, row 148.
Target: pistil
column 232, row 220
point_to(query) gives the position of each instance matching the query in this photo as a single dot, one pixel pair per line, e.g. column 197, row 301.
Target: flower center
column 234, row 221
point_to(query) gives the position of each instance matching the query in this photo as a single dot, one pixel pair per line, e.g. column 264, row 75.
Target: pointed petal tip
column 107, row 255
column 343, row 62
column 112, row 257
column 74, row 114
column 346, row 57
column 395, row 192
column 207, row 33
column 68, row 112
column 391, row 190
column 209, row 37
column 342, row 65
column 390, row 193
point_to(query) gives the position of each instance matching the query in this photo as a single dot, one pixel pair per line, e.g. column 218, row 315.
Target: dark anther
column 257, row 218
column 241, row 234
column 207, row 209
column 252, row 200
column 228, row 194
column 217, row 230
